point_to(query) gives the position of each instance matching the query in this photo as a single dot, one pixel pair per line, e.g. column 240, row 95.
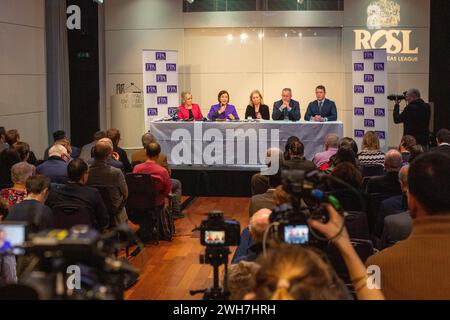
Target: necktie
column 320, row 106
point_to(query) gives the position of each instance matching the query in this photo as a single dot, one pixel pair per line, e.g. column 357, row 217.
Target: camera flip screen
column 296, row 234
column 11, row 236
column 214, row 237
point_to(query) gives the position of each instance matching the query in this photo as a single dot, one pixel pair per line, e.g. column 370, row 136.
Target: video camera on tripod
column 217, row 234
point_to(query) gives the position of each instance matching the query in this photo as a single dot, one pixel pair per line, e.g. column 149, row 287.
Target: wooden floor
column 170, row 269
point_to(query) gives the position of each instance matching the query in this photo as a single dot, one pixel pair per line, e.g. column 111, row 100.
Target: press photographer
column 415, row 116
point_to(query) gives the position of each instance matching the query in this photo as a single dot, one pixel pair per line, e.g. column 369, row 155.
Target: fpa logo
column 369, row 100
column 379, row 89
column 359, row 133
column 369, row 123
column 152, row 89
column 359, row 89
column 379, row 112
column 358, row 66
column 359, row 111
column 150, row 67
column 171, row 67
column 151, row 112
column 161, row 78
column 172, row 110
column 369, row 78
column 160, row 55
column 379, row 66
column 172, row 89
column 161, row 100
column 381, row 135
column 369, row 55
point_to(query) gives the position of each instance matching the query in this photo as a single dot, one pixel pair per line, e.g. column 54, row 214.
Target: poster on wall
column 161, row 96
column 370, row 106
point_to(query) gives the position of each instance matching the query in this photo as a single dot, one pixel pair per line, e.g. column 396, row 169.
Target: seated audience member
column 60, row 137
column 23, row 149
column 296, row 159
column 371, row 155
column 256, row 108
column 260, row 182
column 347, row 172
column 112, row 159
column 75, row 192
column 3, row 144
column 103, row 175
column 11, row 137
column 241, row 279
column 141, row 156
column 344, row 154
column 223, row 110
column 331, row 147
column 257, row 227
column 286, row 108
column 443, row 142
column 322, row 109
column 114, row 135
column 397, row 227
column 188, row 110
column 395, row 204
column 20, row 172
column 388, row 184
column 349, row 142
column 8, row 158
column 56, row 166
column 405, row 146
column 265, row 200
column 417, row 268
column 160, row 175
column 87, row 148
column 33, row 209
column 415, row 151
column 288, row 145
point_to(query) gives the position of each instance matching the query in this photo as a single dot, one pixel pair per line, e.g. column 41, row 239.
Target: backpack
column 166, row 226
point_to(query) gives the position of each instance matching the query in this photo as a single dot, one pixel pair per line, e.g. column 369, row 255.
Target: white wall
column 209, row 62
column 23, row 101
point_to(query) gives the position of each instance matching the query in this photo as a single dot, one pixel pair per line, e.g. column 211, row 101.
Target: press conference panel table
column 312, row 134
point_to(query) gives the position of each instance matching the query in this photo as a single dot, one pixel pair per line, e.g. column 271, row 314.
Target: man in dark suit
column 103, row 175
column 443, row 141
column 265, row 200
column 56, row 166
column 114, row 135
column 75, row 192
column 388, row 184
column 322, row 109
column 415, row 117
column 286, row 108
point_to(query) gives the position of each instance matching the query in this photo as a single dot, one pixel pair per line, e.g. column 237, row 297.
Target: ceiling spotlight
column 190, row 1
column 261, row 35
column 300, row 34
column 285, row 35
column 244, row 36
column 230, row 37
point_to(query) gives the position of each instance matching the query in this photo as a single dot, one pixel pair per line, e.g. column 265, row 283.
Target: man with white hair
column 56, row 166
column 415, row 117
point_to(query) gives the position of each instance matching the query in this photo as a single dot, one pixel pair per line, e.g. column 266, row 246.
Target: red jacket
column 183, row 113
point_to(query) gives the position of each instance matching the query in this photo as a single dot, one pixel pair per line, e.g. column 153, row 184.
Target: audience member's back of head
column 349, row 142
column 57, row 150
column 290, row 272
column 443, row 136
column 11, row 137
column 332, row 141
column 258, row 224
column 9, row 157
column 393, row 160
column 408, row 142
column 76, row 169
column 99, row 135
column 21, row 171
column 147, row 138
column 345, row 154
column 429, row 182
column 153, row 150
column 415, row 151
column 37, row 184
column 370, row 141
column 102, row 149
column 288, row 145
column 348, row 173
column 114, row 135
column 59, row 135
column 297, row 149
column 23, row 149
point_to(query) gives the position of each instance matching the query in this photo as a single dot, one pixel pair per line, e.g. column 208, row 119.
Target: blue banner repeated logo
column 161, row 100
column 379, row 112
column 150, row 67
column 359, row 89
column 172, row 110
column 358, row 67
column 359, row 111
column 369, row 78
column 161, row 78
column 369, row 123
column 359, row 133
column 171, row 67
column 151, row 112
column 151, row 89
column 369, row 101
column 381, row 135
column 369, row 55
column 160, row 55
column 379, row 89
column 378, row 66
column 172, row 89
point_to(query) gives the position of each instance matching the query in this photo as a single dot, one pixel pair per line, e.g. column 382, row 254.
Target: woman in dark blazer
column 256, row 109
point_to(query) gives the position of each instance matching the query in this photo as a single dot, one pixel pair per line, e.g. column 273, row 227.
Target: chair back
column 357, row 225
column 141, row 191
column 67, row 216
column 371, row 171
column 374, row 204
column 106, row 196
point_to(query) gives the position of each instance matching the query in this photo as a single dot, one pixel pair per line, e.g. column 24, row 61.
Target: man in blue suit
column 56, row 166
column 322, row 109
column 286, row 108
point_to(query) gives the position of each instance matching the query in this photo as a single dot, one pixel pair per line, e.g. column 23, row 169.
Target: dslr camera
column 398, row 97
column 215, row 231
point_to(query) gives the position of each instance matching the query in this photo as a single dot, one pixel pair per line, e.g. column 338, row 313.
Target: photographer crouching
column 415, row 116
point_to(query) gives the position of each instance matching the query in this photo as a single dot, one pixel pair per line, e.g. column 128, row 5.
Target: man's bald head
column 393, row 160
column 403, row 177
column 259, row 223
column 103, row 149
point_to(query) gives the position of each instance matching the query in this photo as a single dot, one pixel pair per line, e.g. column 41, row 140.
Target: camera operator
column 415, row 117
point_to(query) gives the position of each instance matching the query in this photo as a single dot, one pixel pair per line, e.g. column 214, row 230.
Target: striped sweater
column 371, row 158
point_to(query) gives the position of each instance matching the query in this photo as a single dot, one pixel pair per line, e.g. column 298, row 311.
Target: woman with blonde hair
column 188, row 110
column 371, row 155
column 256, row 108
